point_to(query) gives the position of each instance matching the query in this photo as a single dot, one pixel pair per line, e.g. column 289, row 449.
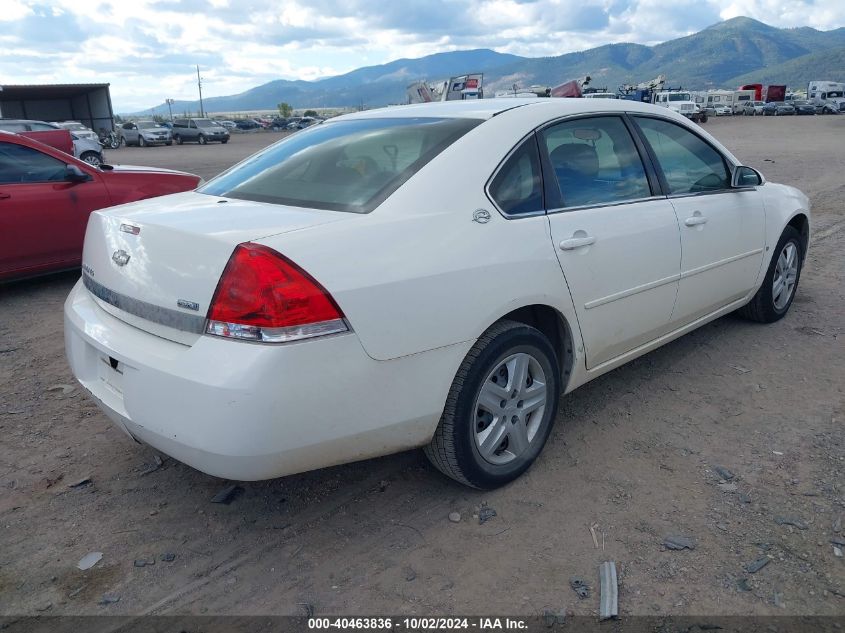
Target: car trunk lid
column 156, row 264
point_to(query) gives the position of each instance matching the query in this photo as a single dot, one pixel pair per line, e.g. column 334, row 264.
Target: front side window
column 689, row 164
column 20, row 164
column 595, row 161
column 351, row 165
column 517, row 188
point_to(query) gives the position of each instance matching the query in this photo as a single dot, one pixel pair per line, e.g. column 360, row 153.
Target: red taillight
column 263, row 296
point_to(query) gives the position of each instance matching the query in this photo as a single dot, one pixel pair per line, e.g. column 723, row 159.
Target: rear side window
column 517, row 188
column 341, row 166
column 19, row 164
column 689, row 164
column 595, row 161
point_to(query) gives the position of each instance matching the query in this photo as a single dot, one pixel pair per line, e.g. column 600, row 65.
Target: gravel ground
column 637, row 455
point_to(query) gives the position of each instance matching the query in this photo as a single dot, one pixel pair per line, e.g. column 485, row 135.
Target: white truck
column 681, row 102
column 828, row 96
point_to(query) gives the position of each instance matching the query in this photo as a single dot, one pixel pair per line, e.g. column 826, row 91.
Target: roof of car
column 488, row 108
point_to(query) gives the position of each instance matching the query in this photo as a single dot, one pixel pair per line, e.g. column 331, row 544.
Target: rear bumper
column 246, row 411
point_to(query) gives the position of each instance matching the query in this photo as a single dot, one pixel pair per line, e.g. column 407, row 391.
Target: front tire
column 201, row 140
column 178, row 139
column 500, row 408
column 775, row 295
column 142, row 142
column 92, row 158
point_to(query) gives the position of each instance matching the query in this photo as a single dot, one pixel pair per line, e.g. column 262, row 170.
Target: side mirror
column 746, row 177
column 75, row 174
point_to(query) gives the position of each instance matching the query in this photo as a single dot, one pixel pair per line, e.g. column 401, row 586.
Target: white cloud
column 148, row 49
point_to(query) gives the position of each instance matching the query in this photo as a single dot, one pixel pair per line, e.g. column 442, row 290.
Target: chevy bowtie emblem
column 121, row 257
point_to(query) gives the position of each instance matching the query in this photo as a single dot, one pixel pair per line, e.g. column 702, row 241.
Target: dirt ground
column 633, row 454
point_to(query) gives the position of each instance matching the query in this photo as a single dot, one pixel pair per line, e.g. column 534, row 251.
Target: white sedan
column 434, row 275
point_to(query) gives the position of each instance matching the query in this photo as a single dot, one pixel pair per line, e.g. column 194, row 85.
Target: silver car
column 143, row 133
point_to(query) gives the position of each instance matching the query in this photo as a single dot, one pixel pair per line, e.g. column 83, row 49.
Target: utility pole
column 199, row 85
column 170, row 108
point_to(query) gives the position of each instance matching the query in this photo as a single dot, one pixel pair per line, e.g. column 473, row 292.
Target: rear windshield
column 340, row 166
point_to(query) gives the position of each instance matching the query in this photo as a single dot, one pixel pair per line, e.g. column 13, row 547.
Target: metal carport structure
column 90, row 104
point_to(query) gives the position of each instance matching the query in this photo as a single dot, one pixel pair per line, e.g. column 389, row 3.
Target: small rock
column 109, row 598
column 679, row 542
column 84, row 481
column 838, row 540
column 227, row 495
column 580, row 587
column 837, row 525
column 795, row 522
column 144, row 562
column 89, row 560
column 723, row 473
column 777, row 598
column 485, row 514
column 65, row 389
column 837, row 551
column 307, row 608
column 410, row 574
column 743, row 498
column 168, row 557
column 757, row 565
column 742, row 585
column 455, row 517
column 44, row 607
column 727, row 487
column 740, row 369
column 722, row 527
column 551, row 617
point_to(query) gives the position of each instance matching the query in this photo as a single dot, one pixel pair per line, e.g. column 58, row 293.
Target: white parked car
column 79, row 130
column 435, row 276
column 721, row 109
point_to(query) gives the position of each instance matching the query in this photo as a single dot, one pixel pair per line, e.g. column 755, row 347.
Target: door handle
column 4, row 196
column 576, row 242
column 695, row 220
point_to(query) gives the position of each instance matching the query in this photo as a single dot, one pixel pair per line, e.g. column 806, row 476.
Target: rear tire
column 768, row 304
column 485, row 438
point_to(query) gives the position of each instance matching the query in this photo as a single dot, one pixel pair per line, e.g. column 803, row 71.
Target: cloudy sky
column 147, row 49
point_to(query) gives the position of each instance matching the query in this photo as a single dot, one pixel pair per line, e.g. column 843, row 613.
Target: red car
column 46, row 197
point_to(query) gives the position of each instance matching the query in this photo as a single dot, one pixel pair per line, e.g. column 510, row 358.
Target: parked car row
column 784, row 108
column 85, row 147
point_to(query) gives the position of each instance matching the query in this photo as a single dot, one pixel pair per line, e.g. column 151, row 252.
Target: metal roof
column 46, row 91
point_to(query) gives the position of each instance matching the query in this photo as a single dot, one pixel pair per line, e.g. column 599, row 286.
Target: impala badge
column 482, row 216
column 121, row 257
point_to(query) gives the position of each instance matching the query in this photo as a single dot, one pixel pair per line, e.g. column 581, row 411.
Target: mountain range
column 727, row 54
